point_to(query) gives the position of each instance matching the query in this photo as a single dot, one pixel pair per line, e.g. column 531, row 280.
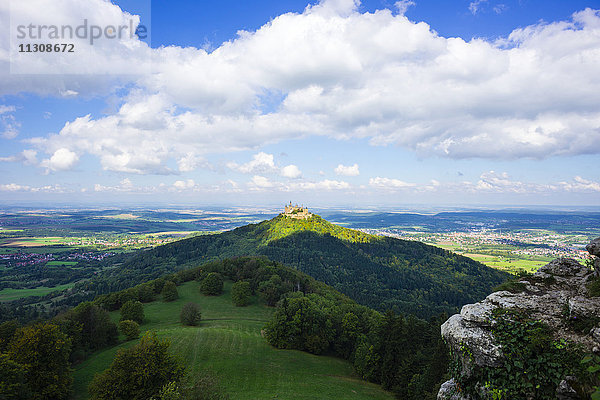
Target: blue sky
column 331, row 102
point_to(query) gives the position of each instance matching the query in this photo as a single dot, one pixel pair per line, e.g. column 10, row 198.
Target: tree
column 130, row 329
column 97, row 330
column 271, row 290
column 241, row 293
column 299, row 323
column 190, row 314
column 132, row 310
column 169, row 291
column 43, row 350
column 145, row 293
column 212, row 285
column 7, row 330
column 138, row 373
column 13, row 384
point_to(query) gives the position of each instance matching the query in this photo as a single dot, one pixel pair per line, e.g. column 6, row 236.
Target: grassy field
column 509, row 265
column 228, row 343
column 61, row 263
column 14, row 294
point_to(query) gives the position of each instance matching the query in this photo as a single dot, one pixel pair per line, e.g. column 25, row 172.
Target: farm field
column 509, row 264
column 14, row 294
column 228, row 344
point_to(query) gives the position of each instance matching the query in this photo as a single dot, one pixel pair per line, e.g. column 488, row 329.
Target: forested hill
column 379, row 272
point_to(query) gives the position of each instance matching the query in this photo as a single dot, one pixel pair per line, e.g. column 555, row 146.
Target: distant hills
column 379, row 272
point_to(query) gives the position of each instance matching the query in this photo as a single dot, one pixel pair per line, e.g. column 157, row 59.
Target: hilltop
column 379, row 272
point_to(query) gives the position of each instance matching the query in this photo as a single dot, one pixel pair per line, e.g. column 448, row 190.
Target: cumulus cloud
column 346, row 74
column 260, row 182
column 389, row 183
column 27, row 157
column 63, row 159
column 291, row 171
column 350, row 170
column 580, row 185
column 183, row 185
column 263, row 163
column 260, row 163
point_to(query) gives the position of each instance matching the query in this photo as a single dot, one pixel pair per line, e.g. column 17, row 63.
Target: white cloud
column 261, row 163
column 63, row 159
column 325, row 184
column 27, row 157
column 183, row 185
column 10, row 126
column 13, row 187
column 500, row 182
column 404, row 5
column 261, row 182
column 291, row 171
column 344, row 74
column 500, row 8
column 125, row 185
column 475, row 6
column 389, row 183
column 6, row 109
column 350, row 170
column 580, row 185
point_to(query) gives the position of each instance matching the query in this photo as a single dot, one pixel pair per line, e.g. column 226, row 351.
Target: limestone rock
column 594, row 247
column 554, row 295
column 449, row 391
column 565, row 391
column 564, row 267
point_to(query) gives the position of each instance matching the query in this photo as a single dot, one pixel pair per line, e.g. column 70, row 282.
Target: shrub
column 212, row 285
column 190, row 314
column 169, row 291
column 132, row 310
column 130, row 329
column 240, row 293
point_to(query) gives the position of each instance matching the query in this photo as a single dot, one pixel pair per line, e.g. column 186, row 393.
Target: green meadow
column 14, row 294
column 229, row 345
column 61, row 263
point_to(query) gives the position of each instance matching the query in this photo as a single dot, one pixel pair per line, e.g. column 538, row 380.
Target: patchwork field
column 228, row 343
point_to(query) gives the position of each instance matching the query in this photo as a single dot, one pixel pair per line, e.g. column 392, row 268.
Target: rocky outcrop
column 557, row 295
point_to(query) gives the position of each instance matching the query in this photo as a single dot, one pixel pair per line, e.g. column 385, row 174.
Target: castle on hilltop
column 296, row 212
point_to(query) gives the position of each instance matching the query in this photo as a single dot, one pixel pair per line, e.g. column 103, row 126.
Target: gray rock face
column 449, row 391
column 563, row 267
column 554, row 295
column 594, row 247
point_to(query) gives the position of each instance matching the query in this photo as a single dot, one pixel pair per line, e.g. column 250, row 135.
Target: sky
column 330, row 102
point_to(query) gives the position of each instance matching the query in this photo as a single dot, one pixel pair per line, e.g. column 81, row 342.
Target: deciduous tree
column 138, row 373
